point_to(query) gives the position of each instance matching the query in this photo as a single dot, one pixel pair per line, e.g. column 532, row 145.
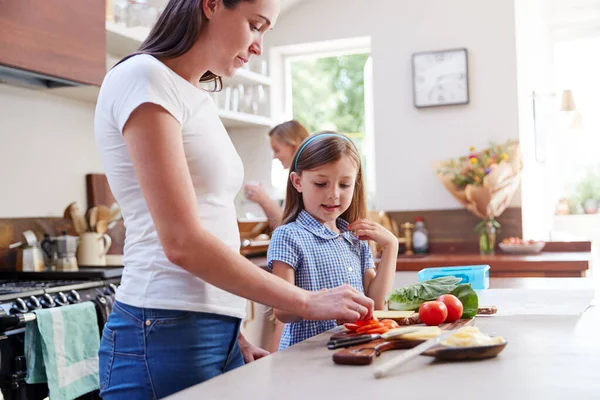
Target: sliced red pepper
column 351, row 327
column 377, row 331
column 367, row 328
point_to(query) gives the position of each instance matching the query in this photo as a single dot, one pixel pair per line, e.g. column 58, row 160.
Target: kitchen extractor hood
column 32, row 80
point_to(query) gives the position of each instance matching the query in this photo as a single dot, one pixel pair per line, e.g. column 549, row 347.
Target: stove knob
column 113, row 288
column 60, row 299
column 73, row 297
column 47, row 301
column 110, row 290
column 19, row 307
column 33, row 303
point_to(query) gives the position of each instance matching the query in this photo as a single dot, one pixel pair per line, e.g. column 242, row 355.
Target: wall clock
column 440, row 78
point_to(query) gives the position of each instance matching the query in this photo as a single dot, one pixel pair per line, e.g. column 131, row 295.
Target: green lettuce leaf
column 411, row 297
column 468, row 298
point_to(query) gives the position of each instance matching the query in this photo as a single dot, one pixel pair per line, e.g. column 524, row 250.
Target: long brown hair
column 316, row 151
column 291, row 133
column 176, row 31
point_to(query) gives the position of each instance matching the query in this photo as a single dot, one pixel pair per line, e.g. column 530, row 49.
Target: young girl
column 322, row 242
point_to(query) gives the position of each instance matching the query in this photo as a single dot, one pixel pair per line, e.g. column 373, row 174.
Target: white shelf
column 121, row 41
column 89, row 94
column 247, row 77
column 241, row 120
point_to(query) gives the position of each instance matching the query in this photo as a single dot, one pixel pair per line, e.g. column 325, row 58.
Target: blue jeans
column 148, row 353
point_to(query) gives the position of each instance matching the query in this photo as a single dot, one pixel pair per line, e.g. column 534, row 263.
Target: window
column 331, row 92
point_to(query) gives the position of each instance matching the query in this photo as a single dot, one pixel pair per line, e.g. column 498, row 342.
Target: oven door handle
column 8, row 322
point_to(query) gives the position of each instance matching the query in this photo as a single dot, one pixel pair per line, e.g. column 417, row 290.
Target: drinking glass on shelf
column 235, row 99
column 227, row 98
column 247, row 104
column 264, row 67
column 120, row 11
column 261, row 101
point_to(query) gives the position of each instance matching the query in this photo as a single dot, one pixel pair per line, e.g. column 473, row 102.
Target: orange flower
column 473, row 160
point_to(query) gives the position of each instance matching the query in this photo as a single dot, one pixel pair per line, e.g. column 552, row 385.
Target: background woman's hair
column 176, row 31
column 317, row 153
column 291, row 132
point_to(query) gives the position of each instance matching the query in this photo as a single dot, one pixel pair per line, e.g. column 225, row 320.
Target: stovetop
column 9, row 287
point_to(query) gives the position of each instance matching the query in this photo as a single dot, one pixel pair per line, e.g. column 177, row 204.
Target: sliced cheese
column 420, row 333
column 395, row 315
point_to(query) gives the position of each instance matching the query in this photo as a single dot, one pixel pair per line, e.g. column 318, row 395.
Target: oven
column 20, row 294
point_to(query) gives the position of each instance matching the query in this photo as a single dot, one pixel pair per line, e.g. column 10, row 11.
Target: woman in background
column 285, row 139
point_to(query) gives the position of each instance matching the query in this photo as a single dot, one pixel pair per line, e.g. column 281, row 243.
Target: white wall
column 46, row 148
column 407, row 140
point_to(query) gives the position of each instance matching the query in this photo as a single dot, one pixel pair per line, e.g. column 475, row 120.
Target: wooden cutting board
column 364, row 354
column 98, row 192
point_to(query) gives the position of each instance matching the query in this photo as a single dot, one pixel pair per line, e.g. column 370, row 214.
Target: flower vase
column 487, row 235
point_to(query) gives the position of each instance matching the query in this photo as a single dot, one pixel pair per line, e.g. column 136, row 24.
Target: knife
column 347, row 342
column 386, row 367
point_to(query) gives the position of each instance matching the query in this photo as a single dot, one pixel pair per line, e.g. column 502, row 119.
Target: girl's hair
column 291, row 133
column 176, row 31
column 316, row 151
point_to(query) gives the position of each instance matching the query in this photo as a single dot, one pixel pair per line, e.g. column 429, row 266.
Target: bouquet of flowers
column 484, row 182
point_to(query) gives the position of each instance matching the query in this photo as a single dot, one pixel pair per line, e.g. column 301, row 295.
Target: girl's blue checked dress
column 322, row 259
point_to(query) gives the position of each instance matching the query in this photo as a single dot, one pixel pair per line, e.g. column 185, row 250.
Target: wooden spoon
column 103, row 213
column 77, row 217
column 101, row 226
column 93, row 218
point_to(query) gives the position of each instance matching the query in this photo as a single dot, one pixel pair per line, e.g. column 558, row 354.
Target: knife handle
column 337, row 344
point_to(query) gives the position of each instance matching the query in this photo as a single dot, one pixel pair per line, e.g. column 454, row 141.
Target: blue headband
column 312, row 139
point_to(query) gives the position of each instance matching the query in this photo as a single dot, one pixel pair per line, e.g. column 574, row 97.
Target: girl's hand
column 368, row 230
column 250, row 351
column 255, row 193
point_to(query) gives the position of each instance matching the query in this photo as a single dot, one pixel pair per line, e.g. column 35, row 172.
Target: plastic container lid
column 477, row 275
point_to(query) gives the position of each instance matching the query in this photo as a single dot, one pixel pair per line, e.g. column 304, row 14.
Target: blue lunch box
column 477, row 275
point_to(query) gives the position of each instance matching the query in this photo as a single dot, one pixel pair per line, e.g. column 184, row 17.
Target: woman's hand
column 250, row 351
column 369, row 230
column 255, row 193
column 342, row 303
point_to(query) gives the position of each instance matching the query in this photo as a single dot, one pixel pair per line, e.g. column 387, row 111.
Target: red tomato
column 433, row 312
column 454, row 306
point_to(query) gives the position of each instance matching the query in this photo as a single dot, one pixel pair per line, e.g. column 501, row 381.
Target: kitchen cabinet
column 64, row 39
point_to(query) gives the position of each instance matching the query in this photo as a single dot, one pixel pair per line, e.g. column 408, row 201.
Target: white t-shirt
column 149, row 278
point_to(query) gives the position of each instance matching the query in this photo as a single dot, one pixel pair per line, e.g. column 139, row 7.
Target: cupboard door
column 60, row 38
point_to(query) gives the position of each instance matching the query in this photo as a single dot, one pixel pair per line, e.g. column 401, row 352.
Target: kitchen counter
column 546, row 264
column 547, row 357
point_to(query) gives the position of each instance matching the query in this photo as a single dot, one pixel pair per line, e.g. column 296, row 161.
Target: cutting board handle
column 364, row 354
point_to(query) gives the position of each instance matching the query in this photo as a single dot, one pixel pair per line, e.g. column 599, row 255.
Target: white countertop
column 547, row 357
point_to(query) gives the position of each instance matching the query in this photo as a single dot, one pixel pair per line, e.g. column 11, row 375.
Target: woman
column 174, row 171
column 285, row 139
